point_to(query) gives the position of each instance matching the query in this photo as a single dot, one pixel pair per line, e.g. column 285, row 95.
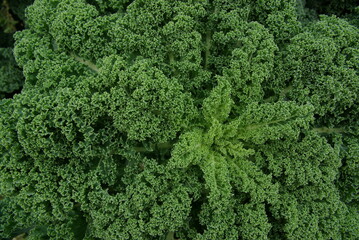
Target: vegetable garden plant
column 182, row 119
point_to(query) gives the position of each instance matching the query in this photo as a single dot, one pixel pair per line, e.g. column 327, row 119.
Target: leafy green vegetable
column 183, row 120
column 11, row 78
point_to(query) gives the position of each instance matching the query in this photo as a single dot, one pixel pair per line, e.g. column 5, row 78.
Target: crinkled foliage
column 11, row 78
column 188, row 119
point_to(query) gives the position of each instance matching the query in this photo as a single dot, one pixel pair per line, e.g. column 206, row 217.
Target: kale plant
column 183, row 119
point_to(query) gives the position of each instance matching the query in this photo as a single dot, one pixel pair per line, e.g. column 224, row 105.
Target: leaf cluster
column 188, row 119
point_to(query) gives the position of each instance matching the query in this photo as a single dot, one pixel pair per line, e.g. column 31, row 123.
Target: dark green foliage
column 12, row 16
column 18, row 7
column 11, row 78
column 337, row 7
column 182, row 120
